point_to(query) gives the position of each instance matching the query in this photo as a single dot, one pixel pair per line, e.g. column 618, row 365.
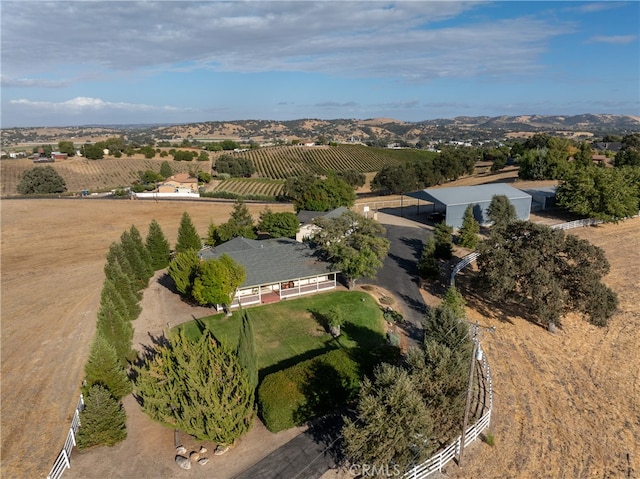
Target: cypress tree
column 104, row 368
column 115, row 329
column 183, row 269
column 142, row 250
column 157, row 246
column 140, row 270
column 111, row 293
column 188, row 237
column 468, row 234
column 246, row 352
column 103, row 420
column 116, row 254
column 125, row 288
column 198, row 387
column 393, row 427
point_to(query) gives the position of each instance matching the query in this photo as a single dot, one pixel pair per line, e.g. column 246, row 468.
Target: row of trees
column 129, row 266
column 586, row 188
column 449, row 164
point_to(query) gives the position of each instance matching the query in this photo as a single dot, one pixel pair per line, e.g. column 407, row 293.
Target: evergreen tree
column 113, row 327
column 444, row 241
column 454, row 301
column 240, row 224
column 110, row 293
column 428, row 267
column 116, row 254
column 440, row 375
column 443, row 325
column 141, row 270
column 468, row 233
column 501, row 211
column 198, row 387
column 182, row 270
column 104, row 368
column 165, row 170
column 188, row 237
column 393, row 426
column 142, row 249
column 157, row 246
column 246, row 352
column 103, row 420
column 212, row 236
column 125, row 288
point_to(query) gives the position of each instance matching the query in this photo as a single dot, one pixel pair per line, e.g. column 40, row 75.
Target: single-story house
column 277, row 269
column 180, row 183
column 451, row 203
column 306, row 218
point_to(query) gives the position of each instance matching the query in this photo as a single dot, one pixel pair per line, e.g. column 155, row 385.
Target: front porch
column 271, row 293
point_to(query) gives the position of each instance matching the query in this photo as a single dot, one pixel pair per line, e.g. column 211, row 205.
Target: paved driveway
column 399, row 273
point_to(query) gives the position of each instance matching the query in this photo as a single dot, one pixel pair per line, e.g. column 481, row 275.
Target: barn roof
column 464, row 195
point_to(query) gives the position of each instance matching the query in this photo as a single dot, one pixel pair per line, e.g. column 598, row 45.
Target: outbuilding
column 451, row 203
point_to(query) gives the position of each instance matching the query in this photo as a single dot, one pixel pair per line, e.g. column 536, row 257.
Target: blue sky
column 123, row 62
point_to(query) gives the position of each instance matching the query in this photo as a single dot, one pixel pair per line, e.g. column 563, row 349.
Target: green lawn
column 288, row 332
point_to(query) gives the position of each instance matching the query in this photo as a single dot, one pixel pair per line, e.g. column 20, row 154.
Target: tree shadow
column 408, row 265
column 327, row 431
column 325, row 389
column 415, row 244
column 148, row 353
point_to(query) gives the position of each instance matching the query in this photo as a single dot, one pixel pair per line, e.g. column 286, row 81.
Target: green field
column 288, row 332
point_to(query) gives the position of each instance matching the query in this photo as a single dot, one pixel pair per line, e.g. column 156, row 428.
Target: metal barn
column 452, row 202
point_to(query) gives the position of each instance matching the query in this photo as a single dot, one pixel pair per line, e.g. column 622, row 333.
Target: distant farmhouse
column 451, row 203
column 277, row 269
column 177, row 186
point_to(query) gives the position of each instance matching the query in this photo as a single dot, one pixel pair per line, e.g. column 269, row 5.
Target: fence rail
column 63, row 461
column 441, row 459
column 471, row 257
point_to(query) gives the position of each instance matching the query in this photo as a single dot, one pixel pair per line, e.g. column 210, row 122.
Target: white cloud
column 613, row 39
column 83, row 104
column 349, row 39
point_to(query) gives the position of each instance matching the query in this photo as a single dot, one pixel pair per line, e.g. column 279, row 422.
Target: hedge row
column 310, row 389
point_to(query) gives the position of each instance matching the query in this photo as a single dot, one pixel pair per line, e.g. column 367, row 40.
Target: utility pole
column 476, row 344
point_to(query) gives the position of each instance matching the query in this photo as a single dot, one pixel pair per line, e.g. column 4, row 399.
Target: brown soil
column 566, row 405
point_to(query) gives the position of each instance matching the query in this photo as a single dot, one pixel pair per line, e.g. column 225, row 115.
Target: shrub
column 393, row 339
column 312, row 388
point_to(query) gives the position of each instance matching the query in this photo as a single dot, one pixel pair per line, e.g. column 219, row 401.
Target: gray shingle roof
column 270, row 261
column 306, row 216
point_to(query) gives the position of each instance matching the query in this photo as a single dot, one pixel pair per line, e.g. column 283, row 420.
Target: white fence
column 437, row 462
column 62, row 462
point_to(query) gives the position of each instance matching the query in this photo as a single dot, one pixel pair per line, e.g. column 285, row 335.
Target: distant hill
column 342, row 130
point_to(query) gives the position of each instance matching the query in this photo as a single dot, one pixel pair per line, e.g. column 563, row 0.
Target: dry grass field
column 566, row 405
column 53, row 253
